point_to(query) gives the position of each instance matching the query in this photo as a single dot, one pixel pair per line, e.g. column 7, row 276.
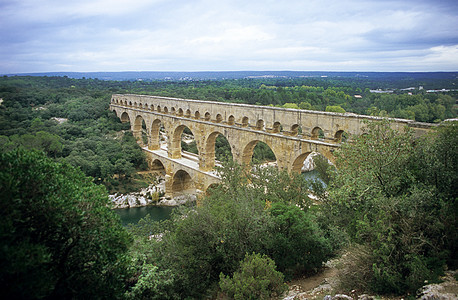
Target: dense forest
column 69, row 118
column 390, row 200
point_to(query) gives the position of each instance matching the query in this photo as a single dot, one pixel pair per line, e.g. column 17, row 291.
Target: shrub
column 152, row 284
column 392, row 199
column 297, row 245
column 355, row 269
column 257, row 278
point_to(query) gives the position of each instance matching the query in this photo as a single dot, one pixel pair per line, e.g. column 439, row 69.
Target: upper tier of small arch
column 286, row 121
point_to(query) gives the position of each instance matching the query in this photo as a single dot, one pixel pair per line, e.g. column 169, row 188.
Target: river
column 158, row 213
column 134, row 214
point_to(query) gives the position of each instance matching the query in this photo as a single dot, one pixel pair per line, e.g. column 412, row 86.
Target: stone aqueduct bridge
column 292, row 134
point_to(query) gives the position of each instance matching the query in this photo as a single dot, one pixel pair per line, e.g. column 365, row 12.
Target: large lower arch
column 155, row 135
column 247, row 153
column 299, row 162
column 139, row 130
column 182, row 183
column 125, row 118
column 216, row 147
column 174, row 147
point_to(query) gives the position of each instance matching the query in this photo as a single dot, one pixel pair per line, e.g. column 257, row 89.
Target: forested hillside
column 390, row 203
column 69, row 118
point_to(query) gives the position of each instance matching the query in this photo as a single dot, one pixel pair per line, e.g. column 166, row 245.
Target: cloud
column 116, row 35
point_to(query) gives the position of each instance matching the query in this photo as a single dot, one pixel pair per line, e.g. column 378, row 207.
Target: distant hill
column 148, row 76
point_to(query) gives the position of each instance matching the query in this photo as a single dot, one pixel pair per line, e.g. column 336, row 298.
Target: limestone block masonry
column 292, row 134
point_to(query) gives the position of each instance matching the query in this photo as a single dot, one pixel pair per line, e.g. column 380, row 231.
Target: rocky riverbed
column 152, row 195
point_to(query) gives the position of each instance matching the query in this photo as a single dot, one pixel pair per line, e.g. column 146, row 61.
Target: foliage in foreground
column 256, row 278
column 237, row 218
column 59, row 238
column 396, row 195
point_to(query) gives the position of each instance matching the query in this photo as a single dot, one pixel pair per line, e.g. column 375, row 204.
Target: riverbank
column 153, row 195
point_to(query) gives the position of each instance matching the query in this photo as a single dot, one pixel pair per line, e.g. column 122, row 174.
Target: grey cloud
column 223, row 35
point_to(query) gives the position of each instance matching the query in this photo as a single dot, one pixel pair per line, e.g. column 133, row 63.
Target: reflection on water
column 134, row 214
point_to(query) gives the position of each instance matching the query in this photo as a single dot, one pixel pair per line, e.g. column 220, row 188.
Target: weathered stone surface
column 291, row 134
column 447, row 290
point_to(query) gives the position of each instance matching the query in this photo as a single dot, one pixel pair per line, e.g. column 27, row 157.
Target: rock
column 322, row 288
column 165, row 202
column 446, row 290
column 143, row 198
column 341, row 297
column 308, row 163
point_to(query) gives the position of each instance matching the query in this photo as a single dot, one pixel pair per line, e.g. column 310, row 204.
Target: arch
column 139, row 130
column 217, row 147
column 180, row 112
column 175, row 149
column 249, row 149
column 140, row 105
column 130, row 103
column 182, row 182
column 245, row 121
column 207, row 116
column 231, row 120
column 166, row 110
column 296, row 129
column 135, row 104
column 211, row 188
column 260, row 124
column 299, row 162
column 317, row 133
column 219, row 118
column 341, row 136
column 125, row 118
column 158, row 166
column 159, row 109
column 276, row 127
column 188, row 113
column 197, row 115
column 146, row 105
column 155, row 135
column 172, row 110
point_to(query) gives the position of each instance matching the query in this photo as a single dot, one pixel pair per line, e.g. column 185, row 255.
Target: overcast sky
column 228, row 35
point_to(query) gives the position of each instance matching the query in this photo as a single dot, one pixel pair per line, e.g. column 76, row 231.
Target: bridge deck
column 188, row 160
column 291, row 134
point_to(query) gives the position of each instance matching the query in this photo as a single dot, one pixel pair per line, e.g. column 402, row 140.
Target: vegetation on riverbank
column 392, row 195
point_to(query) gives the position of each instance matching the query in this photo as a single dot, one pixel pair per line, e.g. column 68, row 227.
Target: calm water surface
column 158, row 213
column 134, row 214
column 313, row 175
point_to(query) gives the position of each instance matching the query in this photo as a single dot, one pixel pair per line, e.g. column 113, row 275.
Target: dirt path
column 309, row 283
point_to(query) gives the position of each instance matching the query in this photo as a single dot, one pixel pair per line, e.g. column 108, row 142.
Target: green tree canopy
column 396, row 195
column 59, row 237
